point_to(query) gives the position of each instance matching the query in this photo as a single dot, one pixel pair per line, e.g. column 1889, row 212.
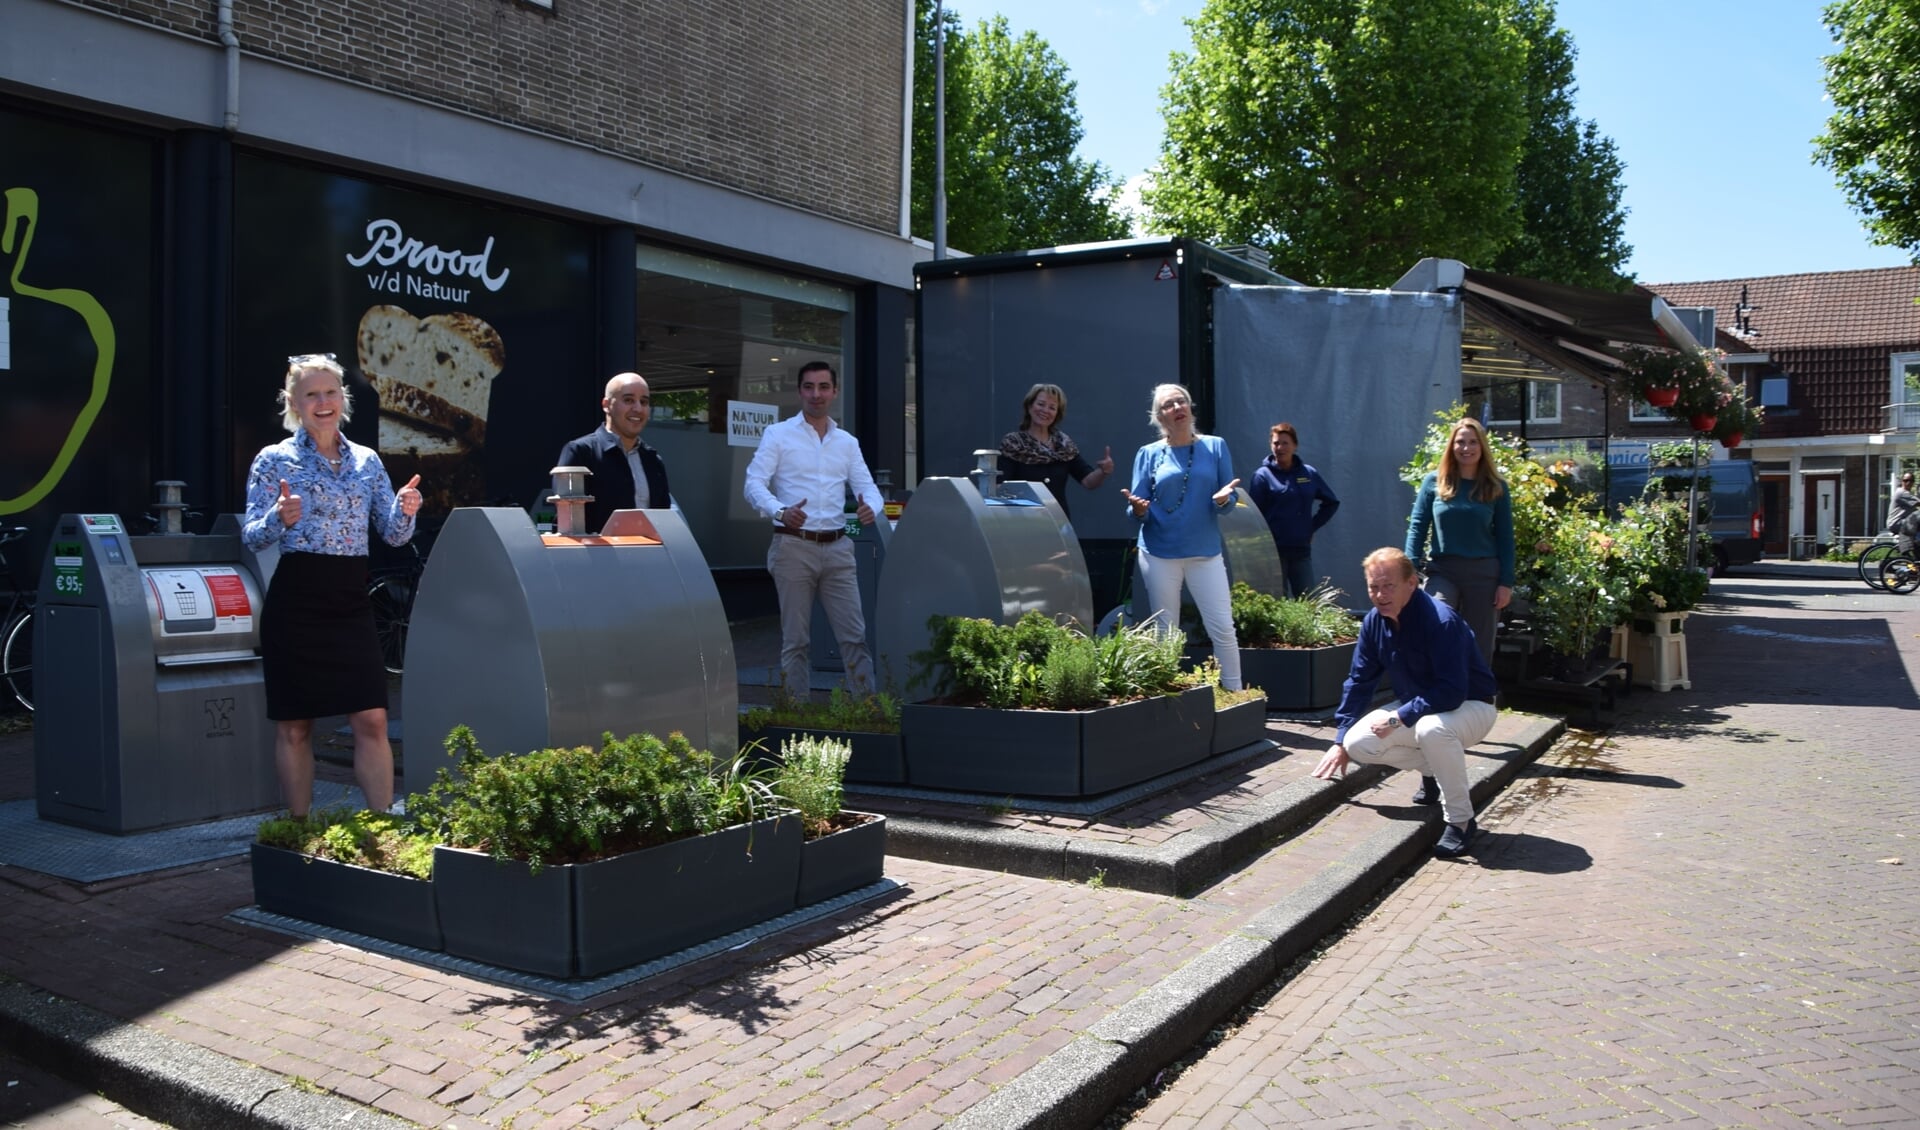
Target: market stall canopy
column 1570, row 327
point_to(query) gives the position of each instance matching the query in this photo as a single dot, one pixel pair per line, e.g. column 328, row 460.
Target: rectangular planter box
column 844, row 861
column 1238, row 726
column 582, row 920
column 379, row 904
column 876, row 758
column 1055, row 752
column 1298, row 678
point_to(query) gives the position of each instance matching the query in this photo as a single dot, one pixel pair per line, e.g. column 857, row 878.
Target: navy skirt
column 317, row 642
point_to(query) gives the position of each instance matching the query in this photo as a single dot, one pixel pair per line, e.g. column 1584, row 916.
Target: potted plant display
column 868, row 724
column 575, row 862
column 842, row 851
column 1297, row 649
column 365, row 872
column 1040, row 709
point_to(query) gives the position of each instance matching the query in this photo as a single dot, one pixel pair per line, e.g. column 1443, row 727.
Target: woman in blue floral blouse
column 313, row 496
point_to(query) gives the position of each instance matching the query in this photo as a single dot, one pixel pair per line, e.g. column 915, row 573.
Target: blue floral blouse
column 335, row 505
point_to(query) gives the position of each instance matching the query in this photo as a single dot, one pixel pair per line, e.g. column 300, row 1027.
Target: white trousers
column 1206, row 579
column 1436, row 746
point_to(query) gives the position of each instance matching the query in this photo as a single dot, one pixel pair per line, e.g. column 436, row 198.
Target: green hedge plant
column 1314, row 619
column 1038, row 664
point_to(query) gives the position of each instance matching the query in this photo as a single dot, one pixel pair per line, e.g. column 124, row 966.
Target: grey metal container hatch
column 152, row 708
column 959, row 552
column 537, row 640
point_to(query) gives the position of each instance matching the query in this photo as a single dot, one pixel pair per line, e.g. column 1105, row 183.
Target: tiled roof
column 1825, row 308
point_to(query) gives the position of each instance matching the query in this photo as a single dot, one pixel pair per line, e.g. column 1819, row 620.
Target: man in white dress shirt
column 798, row 480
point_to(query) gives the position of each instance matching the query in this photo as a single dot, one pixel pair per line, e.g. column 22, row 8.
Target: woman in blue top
column 313, row 495
column 1467, row 509
column 1181, row 485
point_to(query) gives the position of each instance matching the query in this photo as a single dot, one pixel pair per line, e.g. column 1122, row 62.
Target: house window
column 1904, row 393
column 1773, row 392
column 1539, row 399
column 1640, row 412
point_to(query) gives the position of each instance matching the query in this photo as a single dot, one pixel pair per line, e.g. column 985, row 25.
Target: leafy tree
column 1873, row 139
column 1572, row 227
column 1013, row 181
column 1349, row 137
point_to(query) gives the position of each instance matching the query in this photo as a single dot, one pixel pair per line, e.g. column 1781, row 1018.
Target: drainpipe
column 906, row 133
column 230, row 41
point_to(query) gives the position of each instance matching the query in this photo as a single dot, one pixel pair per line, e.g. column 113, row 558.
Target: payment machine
column 152, row 705
column 553, row 639
column 978, row 548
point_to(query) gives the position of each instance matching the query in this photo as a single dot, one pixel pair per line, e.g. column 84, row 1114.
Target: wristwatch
column 1394, row 719
column 780, row 516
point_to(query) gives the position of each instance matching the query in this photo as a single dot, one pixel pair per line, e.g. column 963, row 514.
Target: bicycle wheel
column 16, row 659
column 392, row 599
column 1872, row 560
column 1900, row 574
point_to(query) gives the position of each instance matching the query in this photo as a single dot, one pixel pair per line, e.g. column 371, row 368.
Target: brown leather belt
column 824, row 537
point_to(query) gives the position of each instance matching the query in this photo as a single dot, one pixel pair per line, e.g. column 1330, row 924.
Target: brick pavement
column 1696, row 920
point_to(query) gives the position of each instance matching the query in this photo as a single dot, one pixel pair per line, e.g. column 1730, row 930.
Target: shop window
column 1540, row 400
column 711, row 335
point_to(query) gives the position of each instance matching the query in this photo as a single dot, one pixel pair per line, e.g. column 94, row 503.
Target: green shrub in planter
column 842, row 712
column 1315, row 619
column 378, row 841
column 575, row 805
column 1037, row 664
column 809, row 778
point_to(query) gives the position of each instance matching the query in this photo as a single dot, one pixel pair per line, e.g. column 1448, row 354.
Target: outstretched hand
column 1138, row 504
column 1221, row 496
column 1333, row 764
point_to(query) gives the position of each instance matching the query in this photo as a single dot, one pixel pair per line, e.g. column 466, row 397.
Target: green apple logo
column 23, row 204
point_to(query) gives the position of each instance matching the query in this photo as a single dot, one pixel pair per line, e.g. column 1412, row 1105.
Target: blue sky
column 1712, row 103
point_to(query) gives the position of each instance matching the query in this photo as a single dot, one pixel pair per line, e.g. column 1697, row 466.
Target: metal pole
column 939, row 130
column 1693, row 504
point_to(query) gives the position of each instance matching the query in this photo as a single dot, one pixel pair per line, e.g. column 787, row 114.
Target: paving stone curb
column 1180, row 867
column 1077, row 1085
column 172, row 1082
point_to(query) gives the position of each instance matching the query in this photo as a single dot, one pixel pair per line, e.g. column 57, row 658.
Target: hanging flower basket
column 1665, row 397
column 1701, row 421
column 1732, row 440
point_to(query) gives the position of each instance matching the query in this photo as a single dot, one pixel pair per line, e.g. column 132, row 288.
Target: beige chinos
column 802, row 569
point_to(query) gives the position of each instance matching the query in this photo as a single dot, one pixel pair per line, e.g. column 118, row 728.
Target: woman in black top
column 1039, row 453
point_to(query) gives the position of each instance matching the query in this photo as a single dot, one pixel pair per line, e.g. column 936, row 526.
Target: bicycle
column 1871, row 561
column 1900, row 575
column 16, row 638
column 391, row 589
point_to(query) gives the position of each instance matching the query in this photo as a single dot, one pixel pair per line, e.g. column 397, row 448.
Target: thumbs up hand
column 409, row 497
column 1106, row 462
column 287, row 505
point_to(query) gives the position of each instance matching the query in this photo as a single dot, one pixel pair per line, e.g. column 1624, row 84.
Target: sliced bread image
column 435, row 372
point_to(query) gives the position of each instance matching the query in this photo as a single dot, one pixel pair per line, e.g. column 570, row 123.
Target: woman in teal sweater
column 1467, row 510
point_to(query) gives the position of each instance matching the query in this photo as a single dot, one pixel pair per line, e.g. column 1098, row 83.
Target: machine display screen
column 110, row 547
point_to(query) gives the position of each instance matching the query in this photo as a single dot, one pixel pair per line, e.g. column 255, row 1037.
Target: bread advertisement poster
column 462, row 326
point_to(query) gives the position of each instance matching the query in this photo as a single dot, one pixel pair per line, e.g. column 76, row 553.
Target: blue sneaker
column 1453, row 841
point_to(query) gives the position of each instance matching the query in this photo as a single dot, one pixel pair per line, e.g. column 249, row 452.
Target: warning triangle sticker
column 1165, row 272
